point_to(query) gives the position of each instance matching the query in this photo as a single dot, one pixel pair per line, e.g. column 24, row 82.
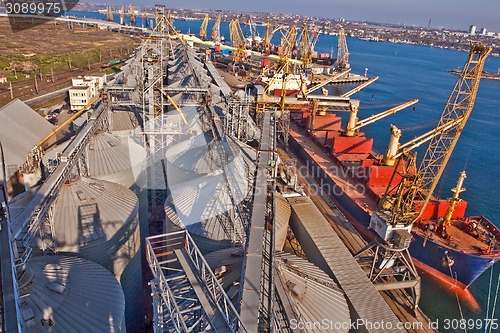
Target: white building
column 84, row 90
column 483, row 31
column 472, row 30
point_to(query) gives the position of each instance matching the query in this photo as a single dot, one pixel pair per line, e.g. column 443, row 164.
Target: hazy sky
column 458, row 14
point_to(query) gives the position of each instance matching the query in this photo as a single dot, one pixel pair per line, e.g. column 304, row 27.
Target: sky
column 456, row 14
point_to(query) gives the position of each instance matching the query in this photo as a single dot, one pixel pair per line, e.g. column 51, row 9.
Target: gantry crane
column 266, row 42
column 216, row 30
column 203, row 28
column 342, row 51
column 122, row 15
column 403, row 203
column 253, row 31
column 237, row 40
column 131, row 12
column 306, row 46
column 109, row 14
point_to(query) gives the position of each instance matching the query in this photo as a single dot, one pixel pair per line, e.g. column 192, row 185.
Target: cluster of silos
column 98, row 220
column 63, row 294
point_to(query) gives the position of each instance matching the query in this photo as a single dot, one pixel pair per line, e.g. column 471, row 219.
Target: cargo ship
column 354, row 176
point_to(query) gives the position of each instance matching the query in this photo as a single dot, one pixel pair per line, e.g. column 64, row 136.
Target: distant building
column 84, row 89
column 472, row 30
column 483, row 31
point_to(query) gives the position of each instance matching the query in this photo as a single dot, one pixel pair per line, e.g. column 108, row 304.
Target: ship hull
column 466, row 267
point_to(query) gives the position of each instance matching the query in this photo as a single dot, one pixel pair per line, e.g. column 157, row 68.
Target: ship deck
column 459, row 240
column 351, row 187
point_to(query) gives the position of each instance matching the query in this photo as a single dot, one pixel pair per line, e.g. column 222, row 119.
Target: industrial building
column 84, row 89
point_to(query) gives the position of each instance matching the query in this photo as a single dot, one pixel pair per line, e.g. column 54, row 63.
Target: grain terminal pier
column 181, row 195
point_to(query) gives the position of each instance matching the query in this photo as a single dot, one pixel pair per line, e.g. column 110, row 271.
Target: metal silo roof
column 87, row 210
column 314, row 296
column 70, row 294
column 123, row 121
column 197, row 204
column 21, row 128
column 283, row 211
column 98, row 220
column 115, row 159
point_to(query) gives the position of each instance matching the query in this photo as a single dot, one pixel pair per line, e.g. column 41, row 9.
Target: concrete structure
column 84, row 89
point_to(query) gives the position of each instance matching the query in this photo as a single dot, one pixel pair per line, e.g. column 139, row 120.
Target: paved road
column 46, row 97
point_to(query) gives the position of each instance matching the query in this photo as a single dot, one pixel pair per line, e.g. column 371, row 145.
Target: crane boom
column 203, row 28
column 216, row 30
column 459, row 105
column 381, row 115
column 324, row 83
column 358, row 88
column 443, row 140
column 342, row 51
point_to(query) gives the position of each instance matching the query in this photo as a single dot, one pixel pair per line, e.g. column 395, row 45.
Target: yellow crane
column 109, row 13
column 122, row 15
column 203, row 28
column 131, row 12
column 443, row 139
column 237, row 40
column 342, row 51
column 306, row 47
column 216, row 30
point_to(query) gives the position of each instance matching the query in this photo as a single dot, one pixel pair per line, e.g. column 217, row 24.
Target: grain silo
column 98, row 220
column 63, row 294
column 115, row 159
column 205, row 190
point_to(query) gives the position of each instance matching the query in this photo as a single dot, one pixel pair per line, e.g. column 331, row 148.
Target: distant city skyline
column 454, row 14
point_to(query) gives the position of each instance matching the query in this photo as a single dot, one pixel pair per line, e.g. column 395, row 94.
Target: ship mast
column 454, row 199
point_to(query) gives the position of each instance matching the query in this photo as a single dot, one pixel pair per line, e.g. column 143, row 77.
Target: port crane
column 342, row 50
column 444, row 137
column 122, row 15
column 131, row 12
column 109, row 14
column 203, row 28
column 237, row 40
column 216, row 30
column 253, row 31
column 403, row 203
column 307, row 41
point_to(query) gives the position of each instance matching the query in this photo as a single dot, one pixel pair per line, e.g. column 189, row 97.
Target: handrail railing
column 160, row 246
